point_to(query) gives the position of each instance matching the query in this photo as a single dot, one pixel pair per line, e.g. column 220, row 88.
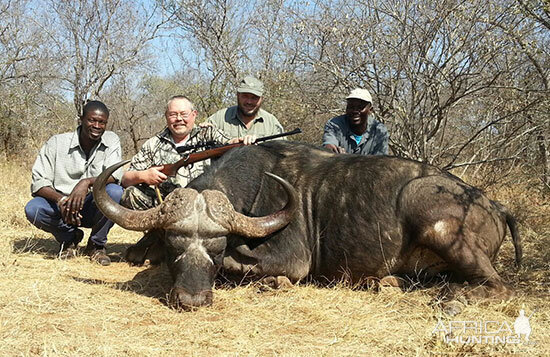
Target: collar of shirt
column 237, row 118
column 75, row 141
column 366, row 134
column 166, row 136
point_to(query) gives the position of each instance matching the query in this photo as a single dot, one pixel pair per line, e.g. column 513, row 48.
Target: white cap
column 360, row 93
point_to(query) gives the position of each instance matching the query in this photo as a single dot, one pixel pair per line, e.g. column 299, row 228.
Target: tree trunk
column 545, row 164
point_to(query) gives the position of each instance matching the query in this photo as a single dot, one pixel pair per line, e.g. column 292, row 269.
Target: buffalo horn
column 124, row 217
column 259, row 227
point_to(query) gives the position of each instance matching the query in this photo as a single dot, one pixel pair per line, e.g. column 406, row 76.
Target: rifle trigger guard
column 185, row 158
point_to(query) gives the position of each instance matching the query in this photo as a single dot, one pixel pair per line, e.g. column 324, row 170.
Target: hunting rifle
column 188, row 159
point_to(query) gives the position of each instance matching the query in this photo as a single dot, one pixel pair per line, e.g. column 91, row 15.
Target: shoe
column 97, row 253
column 100, row 256
column 68, row 250
column 78, row 236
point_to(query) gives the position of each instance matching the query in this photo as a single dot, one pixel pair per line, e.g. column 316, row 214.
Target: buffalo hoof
column 276, row 282
column 454, row 297
column 387, row 282
column 466, row 292
column 452, row 308
column 499, row 292
column 391, row 281
column 181, row 300
column 451, row 299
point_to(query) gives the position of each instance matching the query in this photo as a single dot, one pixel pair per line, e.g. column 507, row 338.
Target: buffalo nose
column 182, row 300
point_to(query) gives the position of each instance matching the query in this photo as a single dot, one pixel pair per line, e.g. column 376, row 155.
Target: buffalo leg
column 467, row 259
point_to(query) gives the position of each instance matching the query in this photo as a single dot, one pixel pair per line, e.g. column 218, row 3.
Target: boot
column 97, row 253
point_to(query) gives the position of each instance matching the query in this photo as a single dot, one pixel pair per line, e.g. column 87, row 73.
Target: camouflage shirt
column 161, row 149
column 374, row 140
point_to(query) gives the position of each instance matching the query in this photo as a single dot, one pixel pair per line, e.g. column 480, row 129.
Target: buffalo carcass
column 325, row 216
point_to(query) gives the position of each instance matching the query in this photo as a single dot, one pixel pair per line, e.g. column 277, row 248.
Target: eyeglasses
column 176, row 115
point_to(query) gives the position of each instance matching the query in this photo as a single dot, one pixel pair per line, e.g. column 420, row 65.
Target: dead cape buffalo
column 324, row 216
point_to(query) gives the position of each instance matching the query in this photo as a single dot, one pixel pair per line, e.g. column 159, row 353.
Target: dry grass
column 50, row 307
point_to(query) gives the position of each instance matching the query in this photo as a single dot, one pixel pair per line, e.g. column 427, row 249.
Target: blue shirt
column 374, row 140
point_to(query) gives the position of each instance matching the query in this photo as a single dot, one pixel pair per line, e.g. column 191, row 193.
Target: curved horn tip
column 259, row 227
column 275, row 177
column 287, row 185
column 122, row 163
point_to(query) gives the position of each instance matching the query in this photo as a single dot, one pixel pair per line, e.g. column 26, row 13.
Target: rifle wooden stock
column 171, row 169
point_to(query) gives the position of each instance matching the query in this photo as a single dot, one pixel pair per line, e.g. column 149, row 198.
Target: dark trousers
column 45, row 215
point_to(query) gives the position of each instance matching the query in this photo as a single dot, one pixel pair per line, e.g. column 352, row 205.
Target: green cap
column 252, row 85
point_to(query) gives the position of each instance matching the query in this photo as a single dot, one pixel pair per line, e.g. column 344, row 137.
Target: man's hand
column 66, row 214
column 247, row 140
column 206, row 124
column 335, row 149
column 153, row 175
column 71, row 206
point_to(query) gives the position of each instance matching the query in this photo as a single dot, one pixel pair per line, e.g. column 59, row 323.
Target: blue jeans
column 45, row 215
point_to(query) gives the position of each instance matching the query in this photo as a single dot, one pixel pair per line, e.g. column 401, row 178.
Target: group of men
column 67, row 165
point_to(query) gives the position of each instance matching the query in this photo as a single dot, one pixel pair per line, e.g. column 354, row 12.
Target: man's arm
column 69, row 206
column 142, row 169
column 211, row 133
column 330, row 137
column 279, row 128
column 43, row 170
column 61, row 200
column 43, row 173
column 381, row 139
column 50, row 194
column 113, row 155
column 151, row 176
column 217, row 118
column 272, row 125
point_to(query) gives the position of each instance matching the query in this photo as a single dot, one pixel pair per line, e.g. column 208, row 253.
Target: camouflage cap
column 252, row 85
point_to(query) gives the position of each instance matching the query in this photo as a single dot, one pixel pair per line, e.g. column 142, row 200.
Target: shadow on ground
column 154, row 282
column 49, row 248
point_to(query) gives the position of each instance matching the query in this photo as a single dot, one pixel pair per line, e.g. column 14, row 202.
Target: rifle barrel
column 171, row 169
column 292, row 132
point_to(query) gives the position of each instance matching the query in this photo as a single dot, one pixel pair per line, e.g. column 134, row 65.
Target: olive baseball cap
column 252, row 85
column 360, row 93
